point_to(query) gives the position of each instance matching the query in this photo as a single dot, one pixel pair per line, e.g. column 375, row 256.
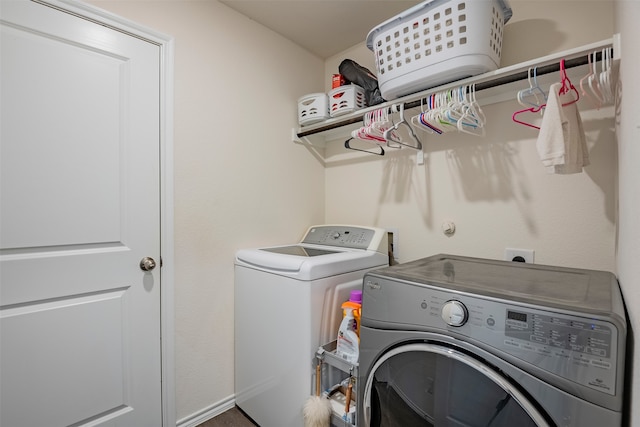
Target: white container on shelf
column 437, row 42
column 346, row 99
column 313, row 108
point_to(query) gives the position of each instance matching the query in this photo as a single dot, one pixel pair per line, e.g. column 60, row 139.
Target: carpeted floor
column 234, row 417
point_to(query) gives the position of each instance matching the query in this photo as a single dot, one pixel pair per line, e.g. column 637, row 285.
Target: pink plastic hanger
column 524, row 99
column 527, row 110
column 567, row 86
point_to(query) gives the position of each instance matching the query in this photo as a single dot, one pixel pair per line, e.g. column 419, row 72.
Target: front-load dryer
column 458, row 341
column 287, row 304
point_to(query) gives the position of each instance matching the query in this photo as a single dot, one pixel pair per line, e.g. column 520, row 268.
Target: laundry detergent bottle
column 354, row 303
column 348, row 342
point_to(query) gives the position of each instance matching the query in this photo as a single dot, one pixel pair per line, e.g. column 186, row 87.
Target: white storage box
column 437, row 42
column 313, row 108
column 345, row 99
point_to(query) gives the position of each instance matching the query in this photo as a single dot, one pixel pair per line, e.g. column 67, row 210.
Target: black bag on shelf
column 357, row 74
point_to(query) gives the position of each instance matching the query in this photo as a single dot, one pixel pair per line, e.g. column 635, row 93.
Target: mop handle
column 318, row 379
column 348, row 398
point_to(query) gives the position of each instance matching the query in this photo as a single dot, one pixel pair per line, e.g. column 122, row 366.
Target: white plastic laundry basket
column 436, row 42
column 313, row 108
column 345, row 99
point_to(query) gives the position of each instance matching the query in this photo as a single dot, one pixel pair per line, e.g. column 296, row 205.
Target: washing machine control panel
column 344, row 236
column 578, row 348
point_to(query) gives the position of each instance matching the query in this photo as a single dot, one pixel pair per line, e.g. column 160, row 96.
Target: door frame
column 166, row 46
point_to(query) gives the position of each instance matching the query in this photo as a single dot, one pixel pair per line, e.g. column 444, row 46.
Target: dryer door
column 435, row 385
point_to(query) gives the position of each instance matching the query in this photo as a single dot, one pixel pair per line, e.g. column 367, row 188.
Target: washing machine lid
column 310, row 262
column 588, row 291
column 325, row 250
column 299, row 250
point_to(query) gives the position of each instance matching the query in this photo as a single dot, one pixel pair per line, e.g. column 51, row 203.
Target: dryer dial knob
column 454, row 313
column 336, row 235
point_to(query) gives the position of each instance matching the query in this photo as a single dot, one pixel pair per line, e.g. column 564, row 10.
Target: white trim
column 166, row 45
column 207, row 413
column 167, row 236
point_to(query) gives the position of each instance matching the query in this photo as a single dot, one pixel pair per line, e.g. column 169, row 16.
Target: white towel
column 561, row 144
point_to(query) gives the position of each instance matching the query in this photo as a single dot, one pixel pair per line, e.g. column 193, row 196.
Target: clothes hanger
column 530, row 107
column 370, row 131
column 472, row 119
column 567, row 86
column 426, row 117
column 374, row 124
column 527, row 110
column 594, row 100
column 449, row 115
column 534, row 90
column 346, row 145
column 455, row 106
column 605, row 76
column 594, row 83
column 476, row 107
column 436, row 115
column 428, row 125
column 390, row 136
column 419, row 122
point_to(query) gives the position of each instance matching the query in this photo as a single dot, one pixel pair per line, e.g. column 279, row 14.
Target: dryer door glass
column 434, row 385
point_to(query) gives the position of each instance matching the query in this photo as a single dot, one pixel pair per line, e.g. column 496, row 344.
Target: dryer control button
column 454, row 313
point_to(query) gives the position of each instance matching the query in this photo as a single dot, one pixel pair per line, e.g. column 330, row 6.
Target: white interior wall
column 494, row 188
column 628, row 134
column 239, row 180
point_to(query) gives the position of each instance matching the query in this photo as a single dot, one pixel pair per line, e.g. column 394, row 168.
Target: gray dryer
column 458, row 341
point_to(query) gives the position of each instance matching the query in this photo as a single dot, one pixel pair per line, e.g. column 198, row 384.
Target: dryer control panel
column 560, row 332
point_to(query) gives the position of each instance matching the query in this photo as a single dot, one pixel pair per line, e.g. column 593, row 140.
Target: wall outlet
column 527, row 255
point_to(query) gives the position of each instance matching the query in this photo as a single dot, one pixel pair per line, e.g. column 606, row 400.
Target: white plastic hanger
column 595, row 101
column 473, row 119
column 533, row 96
column 420, row 123
column 605, row 76
column 391, row 136
column 594, row 83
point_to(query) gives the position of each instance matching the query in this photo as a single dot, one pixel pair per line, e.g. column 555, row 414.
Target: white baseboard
column 207, row 413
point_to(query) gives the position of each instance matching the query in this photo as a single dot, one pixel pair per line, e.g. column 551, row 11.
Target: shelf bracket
column 302, row 140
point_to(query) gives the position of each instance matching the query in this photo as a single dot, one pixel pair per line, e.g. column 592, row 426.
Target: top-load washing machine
column 288, row 303
column 457, row 341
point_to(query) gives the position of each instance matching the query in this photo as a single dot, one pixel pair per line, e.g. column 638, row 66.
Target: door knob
column 147, row 264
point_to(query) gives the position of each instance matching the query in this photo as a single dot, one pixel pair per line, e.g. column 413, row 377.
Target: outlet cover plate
column 527, row 254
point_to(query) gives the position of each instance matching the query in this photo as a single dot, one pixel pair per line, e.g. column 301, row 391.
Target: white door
column 80, row 208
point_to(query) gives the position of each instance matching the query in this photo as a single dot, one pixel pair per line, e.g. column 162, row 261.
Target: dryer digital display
column 514, row 315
